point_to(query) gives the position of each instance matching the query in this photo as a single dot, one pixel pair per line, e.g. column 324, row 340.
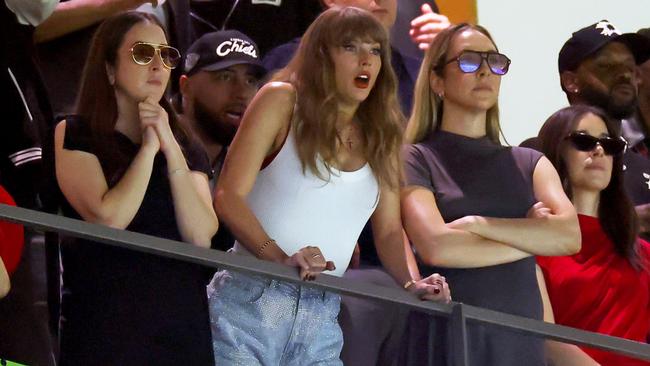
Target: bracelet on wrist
column 178, row 171
column 260, row 250
column 409, row 283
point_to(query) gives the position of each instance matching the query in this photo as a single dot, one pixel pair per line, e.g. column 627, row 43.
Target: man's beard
column 614, row 108
column 211, row 126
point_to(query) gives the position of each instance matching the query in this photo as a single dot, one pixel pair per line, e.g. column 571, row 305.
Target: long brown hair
column 312, row 73
column 615, row 210
column 96, row 103
column 427, row 106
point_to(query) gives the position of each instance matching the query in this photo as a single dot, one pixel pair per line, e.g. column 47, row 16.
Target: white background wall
column 531, row 33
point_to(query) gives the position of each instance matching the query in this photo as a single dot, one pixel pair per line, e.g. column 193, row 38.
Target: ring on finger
column 316, row 255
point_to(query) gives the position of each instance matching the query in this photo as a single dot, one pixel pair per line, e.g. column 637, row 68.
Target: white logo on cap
column 236, row 45
column 607, row 28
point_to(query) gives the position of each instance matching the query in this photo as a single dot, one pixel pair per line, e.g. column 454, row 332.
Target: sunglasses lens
column 143, row 53
column 583, row 142
column 170, row 56
column 498, row 63
column 612, row 146
column 469, row 61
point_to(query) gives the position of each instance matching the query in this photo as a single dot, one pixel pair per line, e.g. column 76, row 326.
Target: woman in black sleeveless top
column 477, row 211
column 123, row 161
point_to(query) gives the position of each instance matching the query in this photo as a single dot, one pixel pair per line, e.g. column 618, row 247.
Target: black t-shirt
column 130, row 308
column 27, row 117
column 474, row 176
column 637, row 177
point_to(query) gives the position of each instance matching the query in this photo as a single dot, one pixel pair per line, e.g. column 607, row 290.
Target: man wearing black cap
column 222, row 73
column 221, row 76
column 637, row 127
column 598, row 66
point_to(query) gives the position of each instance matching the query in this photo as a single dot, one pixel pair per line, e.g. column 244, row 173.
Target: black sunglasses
column 585, row 142
column 470, row 61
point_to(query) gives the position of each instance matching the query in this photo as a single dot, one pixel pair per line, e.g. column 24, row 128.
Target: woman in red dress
column 11, row 246
column 604, row 288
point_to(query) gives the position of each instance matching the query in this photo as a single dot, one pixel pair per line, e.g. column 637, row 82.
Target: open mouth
column 362, row 81
column 234, row 111
column 234, row 115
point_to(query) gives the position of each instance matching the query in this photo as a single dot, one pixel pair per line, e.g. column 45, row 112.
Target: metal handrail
column 459, row 313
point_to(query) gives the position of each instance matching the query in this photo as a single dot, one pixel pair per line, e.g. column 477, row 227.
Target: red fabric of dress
column 11, row 237
column 599, row 291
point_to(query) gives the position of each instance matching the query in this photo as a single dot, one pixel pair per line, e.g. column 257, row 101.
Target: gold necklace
column 349, row 142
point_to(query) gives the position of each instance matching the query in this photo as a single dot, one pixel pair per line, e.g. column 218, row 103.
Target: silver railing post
column 458, row 324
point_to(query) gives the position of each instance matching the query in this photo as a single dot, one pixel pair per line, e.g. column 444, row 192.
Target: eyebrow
column 604, row 134
column 361, row 40
column 151, row 43
column 493, row 50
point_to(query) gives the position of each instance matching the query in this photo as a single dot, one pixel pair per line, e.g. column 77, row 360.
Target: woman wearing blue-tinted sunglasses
column 476, row 211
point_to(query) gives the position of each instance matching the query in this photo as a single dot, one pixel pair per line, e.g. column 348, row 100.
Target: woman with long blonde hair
column 477, row 211
column 316, row 155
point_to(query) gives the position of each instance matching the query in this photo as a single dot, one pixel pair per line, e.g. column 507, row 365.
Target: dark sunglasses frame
column 584, row 142
column 167, row 62
column 485, row 56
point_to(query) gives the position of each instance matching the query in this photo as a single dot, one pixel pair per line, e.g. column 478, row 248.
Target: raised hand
column 311, row 262
column 426, row 27
column 155, row 116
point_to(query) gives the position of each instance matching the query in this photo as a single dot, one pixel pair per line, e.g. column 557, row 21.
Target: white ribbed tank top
column 299, row 209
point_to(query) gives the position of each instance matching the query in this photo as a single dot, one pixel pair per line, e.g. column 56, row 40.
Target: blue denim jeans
column 259, row 321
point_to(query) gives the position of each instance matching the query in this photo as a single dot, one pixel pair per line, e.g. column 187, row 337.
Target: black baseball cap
column 219, row 50
column 587, row 41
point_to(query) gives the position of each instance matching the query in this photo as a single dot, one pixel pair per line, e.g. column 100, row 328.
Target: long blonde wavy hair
column 311, row 72
column 427, row 106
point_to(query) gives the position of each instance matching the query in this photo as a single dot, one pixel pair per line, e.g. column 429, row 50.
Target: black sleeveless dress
column 121, row 307
column 474, row 176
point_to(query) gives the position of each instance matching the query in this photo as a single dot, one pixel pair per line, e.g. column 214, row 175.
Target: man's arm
column 73, row 15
